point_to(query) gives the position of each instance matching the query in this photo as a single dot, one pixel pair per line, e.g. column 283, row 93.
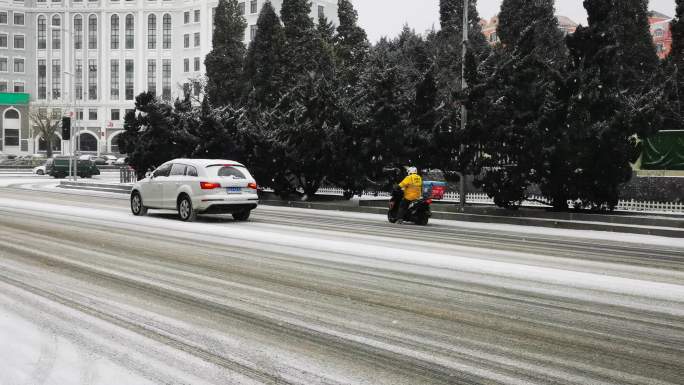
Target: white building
column 90, row 58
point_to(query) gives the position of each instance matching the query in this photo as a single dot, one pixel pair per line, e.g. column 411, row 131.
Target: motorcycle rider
column 413, row 190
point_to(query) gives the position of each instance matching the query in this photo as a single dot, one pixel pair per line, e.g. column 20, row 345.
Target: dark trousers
column 403, row 206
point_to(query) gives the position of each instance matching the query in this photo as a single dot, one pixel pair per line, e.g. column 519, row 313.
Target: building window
column 18, row 18
column 4, row 41
column 321, row 12
column 92, row 114
column 11, row 136
column 186, row 65
column 116, row 114
column 197, row 16
column 166, row 79
column 253, row 6
column 19, row 87
column 114, row 80
column 78, row 80
column 186, row 40
column 186, row 17
column 56, row 21
column 252, row 32
column 92, row 32
column 114, row 33
column 56, row 79
column 78, row 32
column 87, row 143
column 167, row 31
column 56, row 39
column 152, row 76
column 241, row 8
column 92, row 79
column 114, row 146
column 197, row 87
column 3, row 64
column 152, row 32
column 42, row 79
column 3, row 86
column 19, row 65
column 42, row 32
column 197, row 64
column 19, row 42
column 130, row 32
column 198, row 40
column 3, row 17
column 129, row 80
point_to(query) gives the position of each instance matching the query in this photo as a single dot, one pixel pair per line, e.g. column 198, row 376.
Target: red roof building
column 659, row 26
column 661, row 33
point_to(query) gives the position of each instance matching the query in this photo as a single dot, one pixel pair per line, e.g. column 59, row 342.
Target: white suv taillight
column 209, row 185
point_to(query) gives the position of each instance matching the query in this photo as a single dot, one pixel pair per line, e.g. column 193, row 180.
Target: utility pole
column 464, row 86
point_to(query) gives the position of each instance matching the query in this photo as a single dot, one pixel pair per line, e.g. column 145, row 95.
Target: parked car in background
column 197, row 186
column 40, row 170
column 109, row 159
column 58, row 167
column 120, row 162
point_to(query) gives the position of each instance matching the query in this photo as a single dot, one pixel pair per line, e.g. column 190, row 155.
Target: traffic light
column 66, row 128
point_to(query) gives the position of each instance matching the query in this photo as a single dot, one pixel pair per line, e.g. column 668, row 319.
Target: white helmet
column 412, row 170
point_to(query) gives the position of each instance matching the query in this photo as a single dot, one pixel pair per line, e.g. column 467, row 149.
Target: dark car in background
column 58, row 167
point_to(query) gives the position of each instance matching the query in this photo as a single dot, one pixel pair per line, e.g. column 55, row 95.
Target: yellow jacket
column 413, row 187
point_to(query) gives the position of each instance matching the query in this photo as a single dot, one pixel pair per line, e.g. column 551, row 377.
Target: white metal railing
column 536, row 201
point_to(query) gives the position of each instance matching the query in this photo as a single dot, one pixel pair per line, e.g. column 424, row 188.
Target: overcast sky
column 387, row 17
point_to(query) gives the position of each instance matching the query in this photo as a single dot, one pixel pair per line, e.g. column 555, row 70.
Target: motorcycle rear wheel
column 422, row 220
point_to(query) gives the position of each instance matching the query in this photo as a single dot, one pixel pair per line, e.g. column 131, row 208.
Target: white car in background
column 40, row 170
column 197, row 186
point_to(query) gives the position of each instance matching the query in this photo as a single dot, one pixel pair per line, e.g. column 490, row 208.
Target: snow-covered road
column 92, row 295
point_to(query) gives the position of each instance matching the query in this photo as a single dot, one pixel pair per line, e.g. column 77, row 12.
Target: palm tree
column 46, row 126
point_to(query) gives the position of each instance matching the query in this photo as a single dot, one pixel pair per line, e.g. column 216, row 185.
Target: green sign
column 664, row 151
column 13, row 99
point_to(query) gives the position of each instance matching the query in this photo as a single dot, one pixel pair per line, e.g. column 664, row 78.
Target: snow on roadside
column 505, row 228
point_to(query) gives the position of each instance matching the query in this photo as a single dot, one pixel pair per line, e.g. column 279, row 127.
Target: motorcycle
column 418, row 212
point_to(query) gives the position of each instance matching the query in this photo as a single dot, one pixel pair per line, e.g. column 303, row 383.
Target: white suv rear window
column 235, row 172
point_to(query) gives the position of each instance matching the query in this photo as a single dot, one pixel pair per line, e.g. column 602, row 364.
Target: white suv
column 197, row 186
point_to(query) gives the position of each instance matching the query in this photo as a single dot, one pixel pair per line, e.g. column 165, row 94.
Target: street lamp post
column 73, row 147
column 464, row 86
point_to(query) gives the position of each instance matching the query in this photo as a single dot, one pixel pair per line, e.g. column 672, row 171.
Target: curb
column 112, row 188
column 672, row 228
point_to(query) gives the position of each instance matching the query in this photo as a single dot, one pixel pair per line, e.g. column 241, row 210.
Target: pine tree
column 150, row 136
column 264, row 63
column 515, row 112
column 225, row 61
column 612, row 97
column 351, row 47
column 384, row 102
column 448, row 44
column 305, row 50
column 305, row 123
column 326, row 30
